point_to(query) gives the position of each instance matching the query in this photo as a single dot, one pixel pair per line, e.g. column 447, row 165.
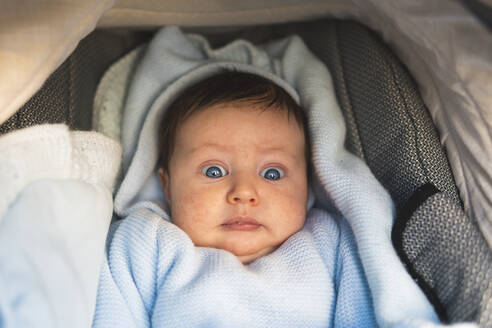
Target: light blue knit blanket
column 155, row 277
column 153, row 273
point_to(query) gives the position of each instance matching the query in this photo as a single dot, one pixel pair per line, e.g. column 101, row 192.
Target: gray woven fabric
column 390, row 128
column 388, row 121
column 399, row 139
column 442, row 246
column 67, row 95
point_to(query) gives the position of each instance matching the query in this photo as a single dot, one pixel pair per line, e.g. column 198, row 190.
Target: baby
column 242, row 249
column 234, row 164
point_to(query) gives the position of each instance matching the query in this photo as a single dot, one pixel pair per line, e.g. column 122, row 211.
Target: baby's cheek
column 197, row 209
column 295, row 194
column 198, row 219
column 295, row 206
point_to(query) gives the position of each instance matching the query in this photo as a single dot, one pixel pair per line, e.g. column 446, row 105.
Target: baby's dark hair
column 225, row 87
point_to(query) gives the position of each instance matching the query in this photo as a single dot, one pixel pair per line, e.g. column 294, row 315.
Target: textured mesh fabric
column 67, row 95
column 399, row 139
column 390, row 128
column 456, row 269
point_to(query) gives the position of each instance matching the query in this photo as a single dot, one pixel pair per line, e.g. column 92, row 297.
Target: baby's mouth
column 241, row 223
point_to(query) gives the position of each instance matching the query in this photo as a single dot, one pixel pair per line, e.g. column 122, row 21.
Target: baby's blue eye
column 271, row 173
column 214, row 171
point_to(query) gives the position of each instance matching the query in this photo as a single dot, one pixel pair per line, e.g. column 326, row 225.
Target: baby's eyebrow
column 221, row 148
column 273, row 149
column 227, row 149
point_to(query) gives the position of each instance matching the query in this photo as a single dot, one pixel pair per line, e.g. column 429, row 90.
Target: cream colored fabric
column 217, row 12
column 446, row 49
column 109, row 99
column 35, row 38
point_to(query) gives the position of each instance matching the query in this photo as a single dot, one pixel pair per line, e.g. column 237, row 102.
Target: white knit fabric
column 55, row 210
column 52, row 151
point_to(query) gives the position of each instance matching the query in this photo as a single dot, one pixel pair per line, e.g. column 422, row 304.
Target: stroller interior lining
column 343, row 45
column 389, row 126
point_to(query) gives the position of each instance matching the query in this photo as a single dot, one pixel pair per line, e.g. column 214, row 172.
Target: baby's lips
column 243, row 223
column 241, row 220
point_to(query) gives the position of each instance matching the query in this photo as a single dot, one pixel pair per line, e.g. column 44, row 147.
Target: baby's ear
column 164, row 178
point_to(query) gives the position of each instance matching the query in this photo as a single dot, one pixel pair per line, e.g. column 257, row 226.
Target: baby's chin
column 249, row 258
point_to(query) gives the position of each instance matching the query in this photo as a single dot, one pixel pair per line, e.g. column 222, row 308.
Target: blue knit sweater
column 154, row 276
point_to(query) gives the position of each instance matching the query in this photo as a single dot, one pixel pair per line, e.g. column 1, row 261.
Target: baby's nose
column 243, row 193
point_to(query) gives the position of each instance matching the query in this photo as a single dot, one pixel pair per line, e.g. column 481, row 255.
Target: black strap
column 403, row 216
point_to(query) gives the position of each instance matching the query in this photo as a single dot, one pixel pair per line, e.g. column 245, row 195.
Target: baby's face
column 237, row 179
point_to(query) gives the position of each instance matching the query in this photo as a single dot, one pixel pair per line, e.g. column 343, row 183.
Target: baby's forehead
column 234, row 113
column 248, row 106
column 240, row 128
